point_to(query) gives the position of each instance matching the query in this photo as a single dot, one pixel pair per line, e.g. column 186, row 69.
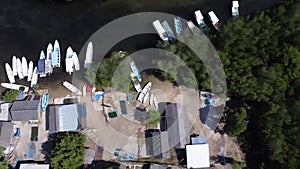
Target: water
column 26, row 27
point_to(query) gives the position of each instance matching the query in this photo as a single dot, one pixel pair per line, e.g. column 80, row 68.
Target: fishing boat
column 135, row 82
column 69, row 60
column 142, row 97
column 72, row 88
column 34, row 78
column 191, row 25
column 55, row 55
column 19, row 69
column 24, row 66
column 14, row 65
column 88, row 55
column 45, row 101
column 136, row 72
column 30, row 70
column 41, row 65
column 235, row 9
column 178, row 26
column 84, row 90
column 15, row 86
column 200, row 20
column 170, row 33
column 76, row 61
column 160, row 30
column 49, row 51
column 214, row 20
column 10, row 74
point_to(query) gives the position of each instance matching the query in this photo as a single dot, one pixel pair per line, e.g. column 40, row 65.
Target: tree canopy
column 11, row 95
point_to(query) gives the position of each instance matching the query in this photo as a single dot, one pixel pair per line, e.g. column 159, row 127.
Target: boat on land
column 69, row 60
column 30, row 70
column 235, row 9
column 178, row 26
column 56, row 55
column 34, row 77
column 45, row 101
column 151, row 99
column 191, row 25
column 214, row 20
column 24, row 67
column 200, row 20
column 84, row 90
column 88, row 55
column 19, row 69
column 160, row 30
column 15, row 86
column 41, row 65
column 14, row 65
column 170, row 33
column 135, row 71
column 48, row 62
column 10, row 74
column 76, row 61
column 142, row 97
column 72, row 88
column 135, row 82
column 49, row 51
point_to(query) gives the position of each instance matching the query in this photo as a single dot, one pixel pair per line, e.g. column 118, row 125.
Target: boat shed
column 6, row 133
column 26, row 110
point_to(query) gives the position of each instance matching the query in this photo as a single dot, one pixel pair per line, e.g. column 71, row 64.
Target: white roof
column 235, row 3
column 34, row 166
column 197, row 156
column 198, row 15
column 213, row 17
column 4, row 111
column 68, row 117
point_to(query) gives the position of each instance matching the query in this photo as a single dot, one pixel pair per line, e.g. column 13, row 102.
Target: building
column 4, row 112
column 26, row 110
column 153, row 143
column 60, row 118
column 34, row 166
column 197, row 154
column 6, row 134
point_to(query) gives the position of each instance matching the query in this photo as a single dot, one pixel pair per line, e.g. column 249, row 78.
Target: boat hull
column 88, row 55
column 9, row 72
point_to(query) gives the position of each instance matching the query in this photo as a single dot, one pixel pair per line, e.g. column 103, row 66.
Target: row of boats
column 166, row 34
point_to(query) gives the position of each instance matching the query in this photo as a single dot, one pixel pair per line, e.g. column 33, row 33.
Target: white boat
column 235, row 9
column 214, row 20
column 155, row 103
column 49, row 51
column 24, row 67
column 160, row 30
column 200, row 21
column 191, row 25
column 88, row 55
column 142, row 97
column 76, row 61
column 135, row 82
column 34, row 77
column 14, row 65
column 10, row 74
column 56, row 59
column 151, row 99
column 30, row 70
column 84, row 90
column 135, row 71
column 69, row 60
column 14, row 86
column 19, row 69
column 41, row 65
column 72, row 88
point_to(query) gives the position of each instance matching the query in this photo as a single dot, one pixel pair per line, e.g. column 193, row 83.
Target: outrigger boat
column 24, row 67
column 235, row 9
column 88, row 55
column 214, row 20
column 200, row 20
column 160, row 30
column 178, row 26
column 9, row 73
column 170, row 33
column 15, row 86
column 14, row 65
column 19, row 69
column 30, row 70
column 72, row 88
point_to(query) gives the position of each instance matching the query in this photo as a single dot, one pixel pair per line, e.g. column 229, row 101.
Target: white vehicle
column 24, row 67
column 19, row 69
column 30, row 70
column 160, row 30
column 34, row 77
column 9, row 73
column 142, row 97
column 14, row 65
column 88, row 55
column 14, row 86
column 69, row 61
column 76, row 61
column 72, row 88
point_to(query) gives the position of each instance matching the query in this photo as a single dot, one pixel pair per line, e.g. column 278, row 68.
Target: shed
column 197, row 156
column 26, row 110
column 6, row 133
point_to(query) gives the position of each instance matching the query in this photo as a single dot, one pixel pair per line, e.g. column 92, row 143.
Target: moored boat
column 15, row 86
column 76, row 61
column 24, row 66
column 49, row 51
column 14, row 65
column 9, row 72
column 19, row 69
column 30, row 70
column 235, row 9
column 142, row 97
column 88, row 55
column 178, row 26
column 56, row 55
column 170, row 33
column 136, row 72
column 34, row 78
column 160, row 30
column 214, row 20
column 72, row 88
column 200, row 20
column 69, row 60
column 191, row 25
column 41, row 65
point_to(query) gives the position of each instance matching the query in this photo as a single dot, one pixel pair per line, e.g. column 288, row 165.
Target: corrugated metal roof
column 197, row 156
column 4, row 112
column 68, row 117
column 34, row 166
column 25, row 110
column 6, row 132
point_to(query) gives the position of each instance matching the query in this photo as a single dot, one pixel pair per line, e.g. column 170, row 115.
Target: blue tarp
column 209, row 102
column 198, row 140
column 127, row 157
column 17, row 134
column 31, row 150
column 41, row 65
column 21, row 95
column 98, row 96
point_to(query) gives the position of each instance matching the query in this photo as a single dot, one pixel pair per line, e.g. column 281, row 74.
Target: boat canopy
column 41, row 65
column 199, row 16
column 214, row 19
column 54, row 58
column 235, row 4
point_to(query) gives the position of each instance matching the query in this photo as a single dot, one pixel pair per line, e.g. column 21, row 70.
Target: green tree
column 154, row 117
column 68, row 152
column 11, row 95
column 235, row 124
